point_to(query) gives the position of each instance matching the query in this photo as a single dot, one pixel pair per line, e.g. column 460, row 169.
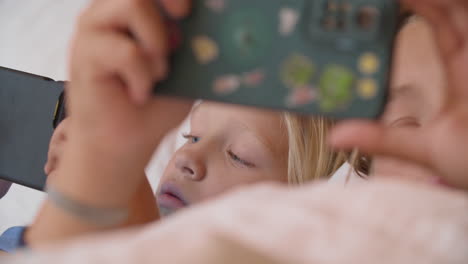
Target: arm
column 115, row 123
column 142, row 207
column 53, row 224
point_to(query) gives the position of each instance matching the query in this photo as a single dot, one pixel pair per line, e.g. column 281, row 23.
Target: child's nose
column 189, row 167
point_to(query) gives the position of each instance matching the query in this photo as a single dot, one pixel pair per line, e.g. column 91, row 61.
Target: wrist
column 92, row 176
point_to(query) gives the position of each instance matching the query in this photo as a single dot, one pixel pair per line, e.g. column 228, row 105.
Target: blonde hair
column 309, row 157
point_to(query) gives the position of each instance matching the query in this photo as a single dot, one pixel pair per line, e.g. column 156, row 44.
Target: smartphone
column 28, row 108
column 319, row 57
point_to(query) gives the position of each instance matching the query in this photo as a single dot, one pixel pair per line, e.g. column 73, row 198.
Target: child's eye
column 237, row 159
column 191, row 138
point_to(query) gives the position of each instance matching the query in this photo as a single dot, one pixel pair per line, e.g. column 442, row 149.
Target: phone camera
column 367, row 17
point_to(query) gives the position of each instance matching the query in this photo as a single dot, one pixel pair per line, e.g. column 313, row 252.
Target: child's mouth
column 170, row 197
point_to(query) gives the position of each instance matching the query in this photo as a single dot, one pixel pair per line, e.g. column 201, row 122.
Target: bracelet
column 105, row 217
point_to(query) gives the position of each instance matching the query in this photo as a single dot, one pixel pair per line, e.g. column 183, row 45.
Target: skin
column 227, row 147
column 415, row 96
column 141, row 206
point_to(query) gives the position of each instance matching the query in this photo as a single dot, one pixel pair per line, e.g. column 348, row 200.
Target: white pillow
column 169, row 145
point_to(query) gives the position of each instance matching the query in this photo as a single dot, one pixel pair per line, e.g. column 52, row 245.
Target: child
column 228, row 147
column 448, row 158
column 231, row 146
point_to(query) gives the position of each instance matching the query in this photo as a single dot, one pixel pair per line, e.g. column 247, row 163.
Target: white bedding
column 379, row 222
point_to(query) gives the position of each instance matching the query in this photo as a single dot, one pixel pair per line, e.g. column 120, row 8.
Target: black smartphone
column 28, row 111
column 319, row 57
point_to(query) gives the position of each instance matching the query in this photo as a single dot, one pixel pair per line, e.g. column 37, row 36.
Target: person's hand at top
column 442, row 144
column 120, row 50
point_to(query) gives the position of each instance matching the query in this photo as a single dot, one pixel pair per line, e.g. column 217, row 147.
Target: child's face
column 415, row 94
column 228, row 146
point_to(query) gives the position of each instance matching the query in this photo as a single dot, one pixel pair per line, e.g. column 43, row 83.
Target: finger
column 61, row 131
column 117, row 55
column 440, row 14
column 47, row 167
column 137, row 18
column 449, row 19
column 53, row 160
column 375, row 139
column 57, row 141
column 51, row 165
column 177, row 8
column 52, row 157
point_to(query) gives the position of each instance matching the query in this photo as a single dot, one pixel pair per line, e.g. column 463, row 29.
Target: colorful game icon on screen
column 301, row 96
column 336, row 86
column 297, row 71
column 226, row 84
column 216, row 5
column 205, row 49
column 254, row 78
column 288, row 18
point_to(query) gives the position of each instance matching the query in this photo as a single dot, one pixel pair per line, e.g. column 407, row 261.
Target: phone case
column 327, row 57
column 28, row 105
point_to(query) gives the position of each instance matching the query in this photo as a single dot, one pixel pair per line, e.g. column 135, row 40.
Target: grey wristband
column 106, row 217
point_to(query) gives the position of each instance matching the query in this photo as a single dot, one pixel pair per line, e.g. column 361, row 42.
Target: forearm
column 81, row 178
column 53, row 224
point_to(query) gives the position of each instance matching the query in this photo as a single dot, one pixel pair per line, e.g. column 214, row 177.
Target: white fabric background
column 34, row 37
